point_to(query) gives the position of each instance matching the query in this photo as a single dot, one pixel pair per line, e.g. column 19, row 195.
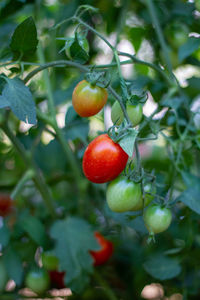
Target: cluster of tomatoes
column 41, row 279
column 104, row 160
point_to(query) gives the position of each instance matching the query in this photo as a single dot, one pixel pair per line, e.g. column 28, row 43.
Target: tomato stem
column 108, row 291
column 30, row 164
column 29, row 174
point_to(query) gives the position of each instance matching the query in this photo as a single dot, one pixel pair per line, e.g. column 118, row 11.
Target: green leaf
column 78, row 53
column 24, row 39
column 4, row 235
column 34, row 228
column 13, row 265
column 136, row 36
column 190, row 197
column 75, row 127
column 128, row 141
column 74, row 238
column 188, row 48
column 162, row 267
column 18, row 97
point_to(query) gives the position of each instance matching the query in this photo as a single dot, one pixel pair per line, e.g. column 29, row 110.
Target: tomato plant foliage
column 62, row 150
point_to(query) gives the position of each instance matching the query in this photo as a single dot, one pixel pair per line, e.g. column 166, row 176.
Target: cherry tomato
column 134, row 112
column 57, row 279
column 124, row 195
column 6, row 205
column 49, row 261
column 3, row 276
column 157, row 219
column 38, row 281
column 177, row 34
column 106, row 251
column 87, row 99
column 103, row 159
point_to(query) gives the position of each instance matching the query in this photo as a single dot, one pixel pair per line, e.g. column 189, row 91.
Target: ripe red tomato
column 57, row 279
column 106, row 251
column 103, row 159
column 87, row 99
column 6, row 204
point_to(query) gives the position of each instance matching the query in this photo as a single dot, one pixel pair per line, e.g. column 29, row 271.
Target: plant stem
column 148, row 64
column 38, row 178
column 94, row 31
column 123, row 87
column 154, row 18
column 20, row 185
column 140, row 170
column 108, row 291
column 59, row 134
column 47, row 83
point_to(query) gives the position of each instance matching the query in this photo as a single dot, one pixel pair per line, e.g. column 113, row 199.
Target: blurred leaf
column 4, row 235
column 194, row 83
column 136, row 36
column 173, row 102
column 75, row 127
column 129, row 219
column 188, row 48
column 162, row 267
column 47, row 157
column 74, row 238
column 18, row 97
column 190, row 197
column 24, row 39
column 13, row 265
column 34, row 228
column 128, row 141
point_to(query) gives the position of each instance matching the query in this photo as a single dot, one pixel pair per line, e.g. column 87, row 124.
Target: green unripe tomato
column 38, row 281
column 49, row 261
column 177, row 34
column 134, row 112
column 123, row 195
column 3, row 276
column 157, row 219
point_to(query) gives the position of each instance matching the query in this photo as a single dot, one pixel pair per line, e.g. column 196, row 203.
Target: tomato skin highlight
column 6, row 205
column 103, row 160
column 157, row 219
column 124, row 195
column 88, row 100
column 106, row 251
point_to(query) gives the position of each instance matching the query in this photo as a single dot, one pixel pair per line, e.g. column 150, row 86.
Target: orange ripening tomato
column 106, row 251
column 6, row 205
column 103, row 159
column 87, row 99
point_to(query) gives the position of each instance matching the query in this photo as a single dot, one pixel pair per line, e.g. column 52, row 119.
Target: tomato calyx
column 99, row 78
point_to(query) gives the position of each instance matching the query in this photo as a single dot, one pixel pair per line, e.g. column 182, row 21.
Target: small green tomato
column 157, row 219
column 134, row 112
